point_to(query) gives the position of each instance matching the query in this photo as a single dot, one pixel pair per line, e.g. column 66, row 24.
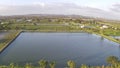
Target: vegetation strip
column 112, row 60
column 105, row 36
column 9, row 39
column 110, row 38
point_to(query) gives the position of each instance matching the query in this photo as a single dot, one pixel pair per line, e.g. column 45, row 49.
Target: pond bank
column 10, row 38
column 110, row 38
column 105, row 36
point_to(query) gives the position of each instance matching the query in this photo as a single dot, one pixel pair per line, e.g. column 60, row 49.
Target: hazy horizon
column 109, row 9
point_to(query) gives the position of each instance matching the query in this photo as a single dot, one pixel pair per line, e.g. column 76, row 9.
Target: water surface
column 83, row 48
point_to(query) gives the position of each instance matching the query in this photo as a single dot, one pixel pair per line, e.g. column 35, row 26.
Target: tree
column 84, row 66
column 71, row 64
column 43, row 63
column 28, row 65
column 112, row 60
column 52, row 64
column 12, row 65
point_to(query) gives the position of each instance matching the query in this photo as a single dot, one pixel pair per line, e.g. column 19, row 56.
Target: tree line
column 113, row 61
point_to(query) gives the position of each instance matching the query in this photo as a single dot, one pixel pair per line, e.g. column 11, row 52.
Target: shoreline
column 9, row 42
column 105, row 36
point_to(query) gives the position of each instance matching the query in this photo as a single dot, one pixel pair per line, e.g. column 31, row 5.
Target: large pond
column 83, row 48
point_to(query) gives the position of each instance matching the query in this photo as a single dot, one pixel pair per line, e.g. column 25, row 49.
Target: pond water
column 83, row 48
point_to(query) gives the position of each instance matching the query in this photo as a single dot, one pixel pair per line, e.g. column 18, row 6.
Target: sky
column 95, row 8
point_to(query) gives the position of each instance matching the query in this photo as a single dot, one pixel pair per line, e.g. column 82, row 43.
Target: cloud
column 59, row 8
column 116, row 7
column 39, row 4
column 2, row 8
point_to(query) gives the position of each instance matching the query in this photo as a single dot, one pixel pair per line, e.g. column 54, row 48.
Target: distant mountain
column 55, row 16
column 48, row 16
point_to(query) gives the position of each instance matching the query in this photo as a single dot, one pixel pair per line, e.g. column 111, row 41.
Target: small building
column 29, row 20
column 82, row 26
column 104, row 27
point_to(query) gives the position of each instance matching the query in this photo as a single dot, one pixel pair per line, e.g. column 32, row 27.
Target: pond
column 83, row 48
